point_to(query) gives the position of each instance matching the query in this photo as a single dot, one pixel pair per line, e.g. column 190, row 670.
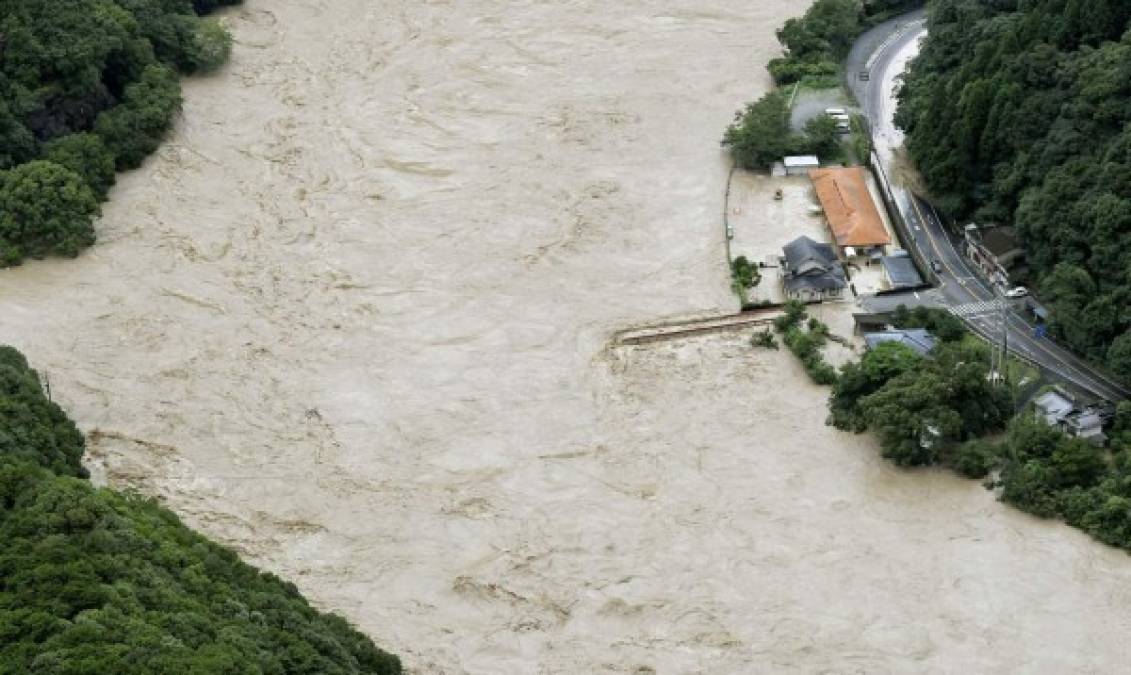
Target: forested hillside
column 1020, row 113
column 87, row 87
column 95, row 581
column 92, row 580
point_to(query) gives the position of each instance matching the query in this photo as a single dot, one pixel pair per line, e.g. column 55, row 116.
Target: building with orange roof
column 853, row 218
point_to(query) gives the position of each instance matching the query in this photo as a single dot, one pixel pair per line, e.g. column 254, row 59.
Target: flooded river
column 353, row 321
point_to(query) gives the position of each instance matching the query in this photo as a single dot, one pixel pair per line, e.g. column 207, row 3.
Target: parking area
column 810, row 103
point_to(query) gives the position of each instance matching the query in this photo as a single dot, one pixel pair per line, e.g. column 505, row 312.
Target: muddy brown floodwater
column 353, row 321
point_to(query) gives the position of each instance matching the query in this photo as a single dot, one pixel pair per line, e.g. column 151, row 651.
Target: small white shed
column 800, row 165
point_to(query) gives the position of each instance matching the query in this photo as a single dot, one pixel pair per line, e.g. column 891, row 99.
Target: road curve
column 883, row 53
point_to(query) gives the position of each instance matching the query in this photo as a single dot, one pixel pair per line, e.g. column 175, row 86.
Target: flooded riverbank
column 353, row 319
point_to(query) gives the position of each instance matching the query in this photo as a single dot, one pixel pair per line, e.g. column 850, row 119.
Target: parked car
column 832, row 112
column 937, row 266
column 1018, row 292
column 841, row 117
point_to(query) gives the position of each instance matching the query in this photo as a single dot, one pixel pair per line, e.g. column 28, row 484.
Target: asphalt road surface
column 874, row 66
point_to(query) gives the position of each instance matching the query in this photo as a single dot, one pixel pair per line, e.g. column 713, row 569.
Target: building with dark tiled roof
column 811, row 271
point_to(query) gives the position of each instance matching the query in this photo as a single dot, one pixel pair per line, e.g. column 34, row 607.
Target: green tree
column 911, row 416
column 95, row 581
column 922, row 407
column 31, row 426
column 1028, row 485
column 86, row 155
column 744, row 273
column 875, row 369
column 815, row 42
column 794, row 314
column 1020, row 114
column 939, row 322
column 973, row 459
column 45, row 209
column 822, row 137
column 827, row 30
column 211, row 46
column 1042, row 463
column 760, row 134
column 17, row 144
column 135, row 128
column 1076, row 463
column 1119, row 356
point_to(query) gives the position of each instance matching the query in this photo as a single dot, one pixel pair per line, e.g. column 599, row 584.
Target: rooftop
column 901, row 271
column 1053, row 406
column 802, row 160
column 917, row 339
column 1000, row 241
column 1088, row 425
column 812, row 265
column 849, row 207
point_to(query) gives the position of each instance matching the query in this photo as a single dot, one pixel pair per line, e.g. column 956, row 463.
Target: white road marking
column 975, row 309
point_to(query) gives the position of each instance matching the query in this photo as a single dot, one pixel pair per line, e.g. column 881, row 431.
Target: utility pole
column 999, row 356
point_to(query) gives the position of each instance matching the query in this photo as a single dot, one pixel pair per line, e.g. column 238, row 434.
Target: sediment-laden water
column 353, row 318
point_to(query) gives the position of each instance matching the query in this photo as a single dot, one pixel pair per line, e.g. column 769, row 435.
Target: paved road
column 883, row 53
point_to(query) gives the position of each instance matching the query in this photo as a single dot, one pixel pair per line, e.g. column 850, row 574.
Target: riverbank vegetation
column 1052, row 475
column 805, row 336
column 744, row 275
column 761, row 135
column 86, row 88
column 1020, row 114
column 817, row 42
column 947, row 408
column 923, row 408
column 93, row 580
column 96, row 581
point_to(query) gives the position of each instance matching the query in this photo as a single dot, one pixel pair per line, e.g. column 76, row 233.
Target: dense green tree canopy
column 922, row 408
column 1044, row 467
column 44, row 209
column 761, row 134
column 94, row 581
column 103, row 66
column 32, row 427
column 1020, row 113
column 939, row 322
column 135, row 128
column 859, row 379
column 817, row 41
column 86, row 155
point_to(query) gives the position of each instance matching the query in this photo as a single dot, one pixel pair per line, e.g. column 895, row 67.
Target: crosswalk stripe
column 975, row 308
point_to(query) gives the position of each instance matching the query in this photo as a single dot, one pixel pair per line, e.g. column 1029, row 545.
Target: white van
column 833, row 112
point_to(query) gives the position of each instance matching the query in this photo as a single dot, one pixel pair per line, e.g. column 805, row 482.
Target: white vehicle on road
column 1018, row 292
column 833, row 112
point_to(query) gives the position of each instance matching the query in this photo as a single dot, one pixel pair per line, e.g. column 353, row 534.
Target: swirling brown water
column 352, row 320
